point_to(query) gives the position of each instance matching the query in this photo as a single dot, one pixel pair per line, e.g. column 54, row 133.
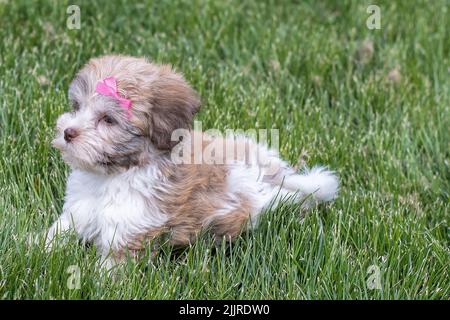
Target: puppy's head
column 100, row 135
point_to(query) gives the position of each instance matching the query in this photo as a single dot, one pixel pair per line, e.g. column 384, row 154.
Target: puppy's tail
column 315, row 185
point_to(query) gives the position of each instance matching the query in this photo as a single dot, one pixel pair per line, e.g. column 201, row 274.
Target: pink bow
column 108, row 87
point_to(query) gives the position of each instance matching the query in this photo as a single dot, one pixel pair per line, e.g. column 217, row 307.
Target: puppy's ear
column 173, row 107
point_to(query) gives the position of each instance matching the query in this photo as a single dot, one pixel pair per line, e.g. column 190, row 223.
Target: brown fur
column 160, row 95
column 194, row 196
column 162, row 101
column 196, row 193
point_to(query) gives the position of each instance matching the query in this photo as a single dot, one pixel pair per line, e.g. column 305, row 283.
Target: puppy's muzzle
column 70, row 134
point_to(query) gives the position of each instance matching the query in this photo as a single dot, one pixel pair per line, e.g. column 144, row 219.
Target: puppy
column 125, row 188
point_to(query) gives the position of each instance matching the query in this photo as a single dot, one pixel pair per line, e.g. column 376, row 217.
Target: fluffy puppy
column 125, row 188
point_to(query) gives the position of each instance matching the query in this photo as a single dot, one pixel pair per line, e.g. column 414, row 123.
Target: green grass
column 295, row 66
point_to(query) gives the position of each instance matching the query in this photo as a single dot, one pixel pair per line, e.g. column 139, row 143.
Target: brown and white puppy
column 125, row 188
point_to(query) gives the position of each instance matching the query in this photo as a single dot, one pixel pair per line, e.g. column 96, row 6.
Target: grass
column 372, row 104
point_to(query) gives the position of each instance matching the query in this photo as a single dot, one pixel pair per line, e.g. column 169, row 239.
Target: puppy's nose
column 70, row 134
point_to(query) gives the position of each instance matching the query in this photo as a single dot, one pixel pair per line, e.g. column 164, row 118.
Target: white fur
column 268, row 179
column 110, row 209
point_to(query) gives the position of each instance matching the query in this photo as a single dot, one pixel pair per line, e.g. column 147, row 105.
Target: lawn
column 371, row 104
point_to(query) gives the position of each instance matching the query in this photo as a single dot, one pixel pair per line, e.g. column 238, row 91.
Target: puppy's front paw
column 60, row 227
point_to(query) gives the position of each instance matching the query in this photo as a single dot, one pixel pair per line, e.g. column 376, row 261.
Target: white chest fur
column 109, row 210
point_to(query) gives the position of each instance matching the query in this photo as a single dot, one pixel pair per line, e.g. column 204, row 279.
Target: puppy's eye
column 109, row 120
column 75, row 105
